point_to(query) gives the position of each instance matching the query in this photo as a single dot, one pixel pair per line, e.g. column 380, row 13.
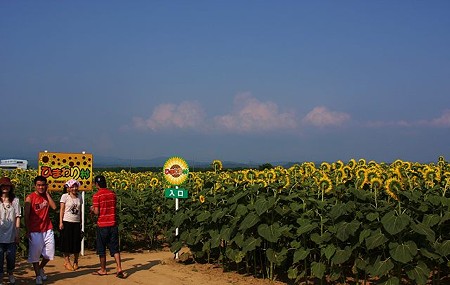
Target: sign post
column 176, row 171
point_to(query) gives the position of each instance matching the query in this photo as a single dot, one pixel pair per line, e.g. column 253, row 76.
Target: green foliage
column 288, row 222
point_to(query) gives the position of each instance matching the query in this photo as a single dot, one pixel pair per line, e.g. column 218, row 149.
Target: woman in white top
column 10, row 213
column 70, row 224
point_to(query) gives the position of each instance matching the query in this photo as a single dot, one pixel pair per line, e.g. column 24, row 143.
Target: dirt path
column 156, row 268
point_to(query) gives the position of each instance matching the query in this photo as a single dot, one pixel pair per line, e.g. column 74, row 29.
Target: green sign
column 175, row 193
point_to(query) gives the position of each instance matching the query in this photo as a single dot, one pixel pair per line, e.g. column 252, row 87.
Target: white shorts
column 41, row 243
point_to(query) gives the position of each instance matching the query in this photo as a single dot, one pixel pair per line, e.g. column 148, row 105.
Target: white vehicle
column 11, row 164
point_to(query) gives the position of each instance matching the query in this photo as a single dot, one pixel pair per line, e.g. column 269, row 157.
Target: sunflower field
column 354, row 222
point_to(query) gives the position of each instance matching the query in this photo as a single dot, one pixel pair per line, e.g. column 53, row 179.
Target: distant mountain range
column 114, row 162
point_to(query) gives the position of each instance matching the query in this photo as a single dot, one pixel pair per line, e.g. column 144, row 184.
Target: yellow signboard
column 58, row 168
column 176, row 170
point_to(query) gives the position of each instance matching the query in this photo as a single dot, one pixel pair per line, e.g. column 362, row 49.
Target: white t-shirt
column 72, row 211
column 8, row 214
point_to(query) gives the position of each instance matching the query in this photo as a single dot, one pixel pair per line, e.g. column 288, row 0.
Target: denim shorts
column 108, row 237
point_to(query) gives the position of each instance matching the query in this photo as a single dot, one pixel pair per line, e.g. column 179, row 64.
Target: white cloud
column 322, row 117
column 186, row 115
column 442, row 121
column 252, row 115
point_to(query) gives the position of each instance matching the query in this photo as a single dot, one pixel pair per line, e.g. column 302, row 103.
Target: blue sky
column 242, row 81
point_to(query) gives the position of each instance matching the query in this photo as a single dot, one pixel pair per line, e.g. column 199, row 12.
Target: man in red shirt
column 104, row 205
column 39, row 227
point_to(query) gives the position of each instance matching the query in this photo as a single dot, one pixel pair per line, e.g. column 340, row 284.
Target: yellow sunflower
column 393, row 186
column 398, row 163
column 124, row 184
column 441, row 161
column 261, row 182
column 287, row 181
column 217, row 165
column 250, row 175
column 201, row 199
column 325, row 184
column 261, row 175
column 362, row 176
column 271, row 175
column 339, row 176
column 309, row 167
column 352, row 163
column 348, row 172
column 325, row 166
column 338, row 164
column 240, row 176
column 372, row 173
column 154, row 182
column 198, row 183
column 376, row 183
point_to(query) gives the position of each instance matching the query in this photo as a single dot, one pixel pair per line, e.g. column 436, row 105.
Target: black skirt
column 71, row 237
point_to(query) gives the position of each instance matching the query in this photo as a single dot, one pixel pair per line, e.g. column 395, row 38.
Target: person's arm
column 18, row 212
column 62, row 209
column 51, row 203
column 17, row 239
column 95, row 210
column 81, row 211
column 95, row 206
column 27, row 210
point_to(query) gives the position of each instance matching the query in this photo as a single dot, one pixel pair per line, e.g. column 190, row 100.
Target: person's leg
column 66, row 258
column 101, row 250
column 2, row 258
column 44, row 262
column 75, row 261
column 65, row 248
column 11, row 250
column 120, row 273
column 102, row 264
column 35, row 247
column 67, row 263
column 115, row 251
column 48, row 251
column 76, row 243
column 118, row 262
column 36, row 268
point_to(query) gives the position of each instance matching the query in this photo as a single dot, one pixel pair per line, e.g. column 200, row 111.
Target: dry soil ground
column 154, row 267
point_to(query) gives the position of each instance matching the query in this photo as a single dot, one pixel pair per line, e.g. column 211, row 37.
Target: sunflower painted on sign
column 176, row 170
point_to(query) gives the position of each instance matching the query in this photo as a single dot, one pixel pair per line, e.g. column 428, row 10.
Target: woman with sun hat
column 10, row 213
column 70, row 224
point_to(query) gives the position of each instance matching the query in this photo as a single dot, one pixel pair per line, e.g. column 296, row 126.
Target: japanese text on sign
column 60, row 167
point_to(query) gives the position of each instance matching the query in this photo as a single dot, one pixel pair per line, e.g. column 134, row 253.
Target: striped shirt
column 105, row 200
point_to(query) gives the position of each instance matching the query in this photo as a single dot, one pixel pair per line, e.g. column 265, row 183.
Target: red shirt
column 39, row 219
column 105, row 200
